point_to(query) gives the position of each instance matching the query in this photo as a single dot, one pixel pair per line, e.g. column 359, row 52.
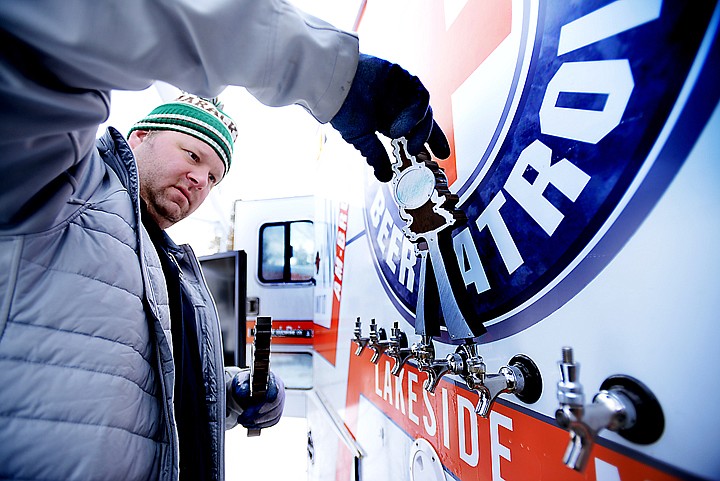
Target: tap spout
column 520, row 377
column 424, row 352
column 378, row 341
column 609, row 410
column 614, row 407
column 398, row 349
column 436, row 370
column 470, row 366
column 578, row 450
column 508, row 380
column 361, row 342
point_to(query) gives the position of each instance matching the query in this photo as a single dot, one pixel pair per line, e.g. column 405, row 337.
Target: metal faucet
column 424, row 352
column 378, row 341
column 520, row 377
column 398, row 349
column 610, row 409
column 469, row 365
column 358, row 339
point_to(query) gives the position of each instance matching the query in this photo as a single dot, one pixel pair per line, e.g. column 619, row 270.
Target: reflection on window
column 273, row 252
column 287, row 252
column 294, row 368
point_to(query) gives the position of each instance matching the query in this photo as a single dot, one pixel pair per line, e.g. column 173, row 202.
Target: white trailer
column 585, row 139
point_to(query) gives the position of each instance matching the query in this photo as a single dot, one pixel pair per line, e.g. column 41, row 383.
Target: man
column 182, row 150
column 93, row 295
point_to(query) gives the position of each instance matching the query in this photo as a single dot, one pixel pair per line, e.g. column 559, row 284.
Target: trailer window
column 286, row 252
column 294, row 368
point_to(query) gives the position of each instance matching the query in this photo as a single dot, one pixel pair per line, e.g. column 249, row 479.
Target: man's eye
column 211, row 178
column 192, row 155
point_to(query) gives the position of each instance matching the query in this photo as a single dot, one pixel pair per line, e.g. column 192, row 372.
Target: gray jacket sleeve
column 280, row 54
column 63, row 57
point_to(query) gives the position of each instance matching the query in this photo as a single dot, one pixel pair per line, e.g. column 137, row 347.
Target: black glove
column 385, row 98
column 256, row 414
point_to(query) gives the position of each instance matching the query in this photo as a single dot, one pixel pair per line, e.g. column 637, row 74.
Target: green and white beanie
column 196, row 116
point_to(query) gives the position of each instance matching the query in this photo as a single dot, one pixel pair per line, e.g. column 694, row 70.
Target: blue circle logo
column 605, row 101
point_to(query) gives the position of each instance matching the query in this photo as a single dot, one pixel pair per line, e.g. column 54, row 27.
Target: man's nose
column 198, row 179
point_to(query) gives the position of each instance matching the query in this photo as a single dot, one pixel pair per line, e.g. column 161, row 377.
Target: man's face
column 176, row 172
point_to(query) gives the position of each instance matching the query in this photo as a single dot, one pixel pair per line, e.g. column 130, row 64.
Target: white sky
column 275, row 152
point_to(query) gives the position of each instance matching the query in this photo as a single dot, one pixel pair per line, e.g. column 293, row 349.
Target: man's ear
column 137, row 137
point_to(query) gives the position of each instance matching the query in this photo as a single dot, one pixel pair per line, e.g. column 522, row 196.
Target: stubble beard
column 164, row 211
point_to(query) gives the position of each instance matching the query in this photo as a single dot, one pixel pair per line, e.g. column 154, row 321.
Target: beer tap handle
column 623, row 404
column 398, row 350
column 378, row 341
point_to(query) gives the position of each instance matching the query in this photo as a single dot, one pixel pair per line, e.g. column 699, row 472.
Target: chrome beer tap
column 378, row 341
column 424, row 352
column 398, row 349
column 623, row 404
column 584, row 422
column 520, row 377
column 471, row 367
column 361, row 342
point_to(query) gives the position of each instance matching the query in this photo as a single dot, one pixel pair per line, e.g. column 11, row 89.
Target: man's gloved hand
column 385, row 98
column 256, row 414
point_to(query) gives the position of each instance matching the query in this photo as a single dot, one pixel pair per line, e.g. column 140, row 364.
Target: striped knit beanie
column 201, row 118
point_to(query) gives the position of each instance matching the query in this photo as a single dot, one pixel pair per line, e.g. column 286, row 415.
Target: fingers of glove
column 248, row 417
column 241, row 387
column 270, row 418
column 272, row 415
column 438, row 142
column 414, row 120
column 419, row 135
column 428, row 131
column 251, row 418
column 259, row 423
column 376, row 156
column 407, row 108
column 268, row 412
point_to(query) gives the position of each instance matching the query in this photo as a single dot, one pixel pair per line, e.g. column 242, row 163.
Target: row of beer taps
column 623, row 403
column 520, row 377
